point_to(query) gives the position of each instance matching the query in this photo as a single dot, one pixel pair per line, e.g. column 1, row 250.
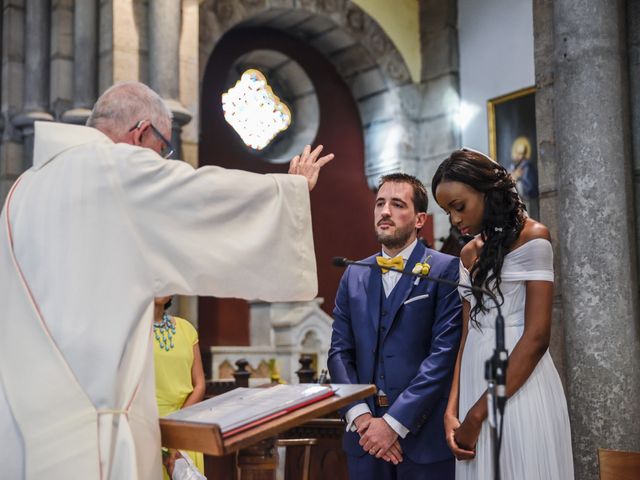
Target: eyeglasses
column 167, row 148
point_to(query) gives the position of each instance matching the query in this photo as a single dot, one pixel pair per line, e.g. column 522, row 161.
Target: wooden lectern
column 257, row 456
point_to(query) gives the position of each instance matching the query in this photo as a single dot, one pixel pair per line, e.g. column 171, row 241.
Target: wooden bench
column 618, row 465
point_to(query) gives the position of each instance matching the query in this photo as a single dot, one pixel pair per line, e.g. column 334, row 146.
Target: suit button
column 383, row 328
column 384, row 312
column 382, row 377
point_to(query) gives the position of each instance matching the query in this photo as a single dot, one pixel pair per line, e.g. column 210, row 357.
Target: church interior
column 549, row 89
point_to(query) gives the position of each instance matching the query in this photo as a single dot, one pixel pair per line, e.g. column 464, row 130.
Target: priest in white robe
column 98, row 227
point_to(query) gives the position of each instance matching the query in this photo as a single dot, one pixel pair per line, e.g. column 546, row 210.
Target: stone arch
column 315, row 337
column 311, row 341
column 364, row 56
column 316, row 342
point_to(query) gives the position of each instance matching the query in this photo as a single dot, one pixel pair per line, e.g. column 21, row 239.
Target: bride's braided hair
column 503, row 219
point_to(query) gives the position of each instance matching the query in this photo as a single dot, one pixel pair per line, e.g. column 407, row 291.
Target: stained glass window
column 254, row 111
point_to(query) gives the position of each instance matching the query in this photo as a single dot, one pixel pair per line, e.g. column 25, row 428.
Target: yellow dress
column 173, row 375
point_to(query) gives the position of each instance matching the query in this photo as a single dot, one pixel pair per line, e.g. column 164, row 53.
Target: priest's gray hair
column 123, row 105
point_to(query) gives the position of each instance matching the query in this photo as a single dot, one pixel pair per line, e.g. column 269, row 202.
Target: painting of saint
column 512, row 142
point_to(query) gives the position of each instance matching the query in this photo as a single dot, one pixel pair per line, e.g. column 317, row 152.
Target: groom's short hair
column 420, row 199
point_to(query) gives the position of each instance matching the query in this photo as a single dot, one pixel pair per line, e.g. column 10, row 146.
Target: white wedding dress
column 536, row 442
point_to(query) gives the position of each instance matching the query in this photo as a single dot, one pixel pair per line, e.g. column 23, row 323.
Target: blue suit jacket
column 419, row 348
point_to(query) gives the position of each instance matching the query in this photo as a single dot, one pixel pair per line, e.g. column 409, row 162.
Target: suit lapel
column 405, row 285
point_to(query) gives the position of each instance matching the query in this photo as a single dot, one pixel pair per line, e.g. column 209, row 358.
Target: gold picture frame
column 513, row 143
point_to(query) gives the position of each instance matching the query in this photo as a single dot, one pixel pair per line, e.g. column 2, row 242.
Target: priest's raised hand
column 308, row 164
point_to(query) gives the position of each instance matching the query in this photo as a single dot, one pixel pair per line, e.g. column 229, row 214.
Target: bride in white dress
column 511, row 255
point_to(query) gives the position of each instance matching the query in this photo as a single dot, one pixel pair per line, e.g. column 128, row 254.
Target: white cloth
column 536, row 442
column 100, row 229
column 184, row 469
column 389, row 281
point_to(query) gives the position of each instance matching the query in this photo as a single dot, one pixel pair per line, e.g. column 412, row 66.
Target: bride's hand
column 451, row 424
column 466, row 435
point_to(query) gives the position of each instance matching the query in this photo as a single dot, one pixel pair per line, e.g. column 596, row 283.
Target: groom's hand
column 394, row 454
column 362, row 423
column 378, row 438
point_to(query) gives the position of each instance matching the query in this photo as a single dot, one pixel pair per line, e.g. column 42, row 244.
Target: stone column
column 36, row 73
column 597, row 245
column 438, row 118
column 547, row 163
column 3, row 40
column 85, row 62
column 164, row 56
column 633, row 42
column 11, row 149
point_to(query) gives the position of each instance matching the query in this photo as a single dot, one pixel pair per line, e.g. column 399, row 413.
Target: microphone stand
column 495, row 367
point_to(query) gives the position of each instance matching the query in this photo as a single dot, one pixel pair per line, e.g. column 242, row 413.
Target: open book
column 243, row 408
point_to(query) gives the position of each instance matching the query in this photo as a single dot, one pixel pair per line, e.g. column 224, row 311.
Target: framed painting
column 512, row 141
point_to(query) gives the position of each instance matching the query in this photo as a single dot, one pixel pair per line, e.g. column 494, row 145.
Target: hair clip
column 497, row 229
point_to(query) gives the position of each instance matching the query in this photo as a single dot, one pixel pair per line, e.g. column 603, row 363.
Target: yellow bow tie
column 395, row 262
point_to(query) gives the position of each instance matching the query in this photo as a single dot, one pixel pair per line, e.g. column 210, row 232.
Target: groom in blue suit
column 403, row 335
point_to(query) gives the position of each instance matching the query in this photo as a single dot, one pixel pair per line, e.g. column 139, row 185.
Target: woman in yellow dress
column 178, row 367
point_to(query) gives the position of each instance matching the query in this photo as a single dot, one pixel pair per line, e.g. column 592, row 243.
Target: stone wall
column 633, row 45
column 11, row 162
column 438, row 128
column 58, row 55
column 547, row 167
column 84, row 47
column 407, row 126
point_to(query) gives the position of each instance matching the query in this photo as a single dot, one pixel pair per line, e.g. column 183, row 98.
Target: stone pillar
column 547, row 163
column 61, row 58
column 36, row 73
column 3, row 40
column 438, row 119
column 597, row 246
column 164, row 56
column 11, row 149
column 633, row 42
column 85, row 64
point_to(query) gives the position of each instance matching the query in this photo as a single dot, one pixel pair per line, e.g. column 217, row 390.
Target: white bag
column 184, row 469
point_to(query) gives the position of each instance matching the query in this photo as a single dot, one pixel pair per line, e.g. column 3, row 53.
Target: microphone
column 340, row 261
column 344, row 262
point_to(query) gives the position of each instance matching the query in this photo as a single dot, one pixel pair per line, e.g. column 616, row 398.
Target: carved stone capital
column 76, row 116
column 24, row 121
column 181, row 116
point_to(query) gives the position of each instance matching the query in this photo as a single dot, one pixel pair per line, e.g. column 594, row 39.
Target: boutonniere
column 421, row 269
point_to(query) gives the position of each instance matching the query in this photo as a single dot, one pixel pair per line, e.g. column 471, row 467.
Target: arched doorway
column 341, row 203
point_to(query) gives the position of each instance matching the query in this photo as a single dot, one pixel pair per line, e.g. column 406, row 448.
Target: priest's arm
column 219, row 232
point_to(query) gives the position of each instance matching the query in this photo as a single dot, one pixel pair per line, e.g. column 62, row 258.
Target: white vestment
column 88, row 237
